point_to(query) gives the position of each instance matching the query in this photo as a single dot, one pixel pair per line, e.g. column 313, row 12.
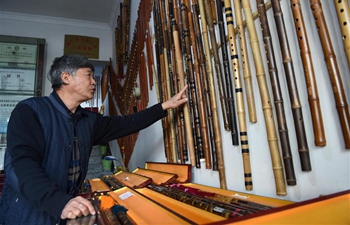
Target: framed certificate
column 21, row 77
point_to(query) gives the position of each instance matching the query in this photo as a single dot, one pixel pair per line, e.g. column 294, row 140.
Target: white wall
column 330, row 164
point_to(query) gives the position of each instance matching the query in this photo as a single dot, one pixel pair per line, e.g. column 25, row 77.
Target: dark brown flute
column 265, row 100
column 192, row 84
column 303, row 148
column 343, row 12
column 277, row 96
column 305, row 53
column 238, row 88
column 231, row 112
column 333, row 70
column 214, row 109
column 245, row 62
column 189, row 132
column 150, row 60
column 227, row 75
column 203, row 80
column 201, row 103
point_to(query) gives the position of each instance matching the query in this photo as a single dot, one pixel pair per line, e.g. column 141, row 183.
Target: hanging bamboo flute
column 265, row 100
column 245, row 62
column 303, row 148
column 305, row 53
column 239, row 92
column 343, row 12
column 214, row 109
column 277, row 95
column 189, row 133
column 333, row 70
column 203, row 79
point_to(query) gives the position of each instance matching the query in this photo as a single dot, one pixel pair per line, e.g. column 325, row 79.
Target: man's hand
column 77, row 207
column 176, row 100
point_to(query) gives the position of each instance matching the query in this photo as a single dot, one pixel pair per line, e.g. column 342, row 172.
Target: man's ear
column 65, row 77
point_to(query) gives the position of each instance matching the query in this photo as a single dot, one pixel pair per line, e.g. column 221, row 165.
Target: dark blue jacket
column 38, row 152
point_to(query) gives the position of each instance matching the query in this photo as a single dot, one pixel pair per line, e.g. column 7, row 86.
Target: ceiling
column 100, row 11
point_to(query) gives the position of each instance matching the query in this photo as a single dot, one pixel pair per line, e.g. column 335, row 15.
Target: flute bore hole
column 345, row 23
column 341, row 10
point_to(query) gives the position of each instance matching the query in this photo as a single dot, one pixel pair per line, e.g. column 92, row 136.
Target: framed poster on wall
column 21, row 77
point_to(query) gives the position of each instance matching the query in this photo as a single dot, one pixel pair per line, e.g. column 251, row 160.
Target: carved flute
column 265, row 100
column 214, row 109
column 228, row 117
column 305, row 53
column 204, row 83
column 333, row 70
column 192, row 84
column 189, row 133
column 303, row 148
column 277, row 95
column 238, row 88
column 343, row 12
column 245, row 62
column 227, row 75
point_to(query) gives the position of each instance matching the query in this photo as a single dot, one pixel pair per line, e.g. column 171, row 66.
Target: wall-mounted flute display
column 180, row 47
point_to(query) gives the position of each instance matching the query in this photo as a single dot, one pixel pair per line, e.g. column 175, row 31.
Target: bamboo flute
column 277, row 96
column 303, row 148
column 305, row 53
column 333, row 70
column 187, row 119
column 193, row 85
column 204, row 82
column 343, row 12
column 214, row 109
column 168, row 86
column 180, row 113
column 238, row 88
column 245, row 62
column 226, row 77
column 266, row 103
column 201, row 102
column 229, row 123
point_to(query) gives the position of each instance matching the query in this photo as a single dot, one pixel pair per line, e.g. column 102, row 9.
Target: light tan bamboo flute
column 210, row 78
column 239, row 97
column 343, row 12
column 245, row 62
column 266, row 102
column 180, row 71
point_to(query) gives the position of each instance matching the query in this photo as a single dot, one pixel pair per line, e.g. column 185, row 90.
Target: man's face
column 83, row 84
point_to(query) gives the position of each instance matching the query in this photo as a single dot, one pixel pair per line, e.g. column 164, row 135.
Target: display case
column 21, row 77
